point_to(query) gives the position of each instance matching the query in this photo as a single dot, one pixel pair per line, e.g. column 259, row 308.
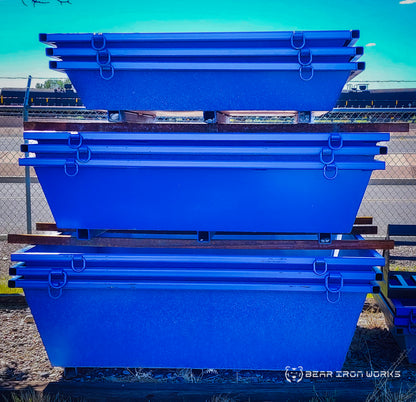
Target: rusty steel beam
column 216, row 127
column 67, row 240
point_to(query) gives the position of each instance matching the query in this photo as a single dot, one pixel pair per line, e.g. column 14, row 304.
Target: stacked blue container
column 208, row 71
column 199, row 308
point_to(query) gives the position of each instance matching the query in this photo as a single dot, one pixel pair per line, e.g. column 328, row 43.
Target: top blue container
column 208, row 71
column 296, row 40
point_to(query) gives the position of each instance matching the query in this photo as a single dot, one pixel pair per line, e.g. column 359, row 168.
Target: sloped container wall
column 200, row 321
column 208, row 71
column 208, row 182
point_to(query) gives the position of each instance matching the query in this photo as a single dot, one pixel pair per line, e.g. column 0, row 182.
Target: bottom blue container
column 400, row 317
column 196, row 309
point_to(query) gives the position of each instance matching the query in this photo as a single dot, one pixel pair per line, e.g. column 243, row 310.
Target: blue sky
column 390, row 25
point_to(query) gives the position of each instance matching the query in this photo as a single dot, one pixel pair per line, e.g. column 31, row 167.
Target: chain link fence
column 390, row 197
column 12, row 176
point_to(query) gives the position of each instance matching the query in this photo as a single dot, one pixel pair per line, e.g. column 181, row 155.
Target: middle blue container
column 205, row 182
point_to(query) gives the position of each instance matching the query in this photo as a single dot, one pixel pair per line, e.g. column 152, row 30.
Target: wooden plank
column 361, row 229
column 315, row 128
column 46, row 226
column 14, row 299
column 67, row 240
column 363, row 220
column 116, row 127
column 224, row 128
column 51, row 227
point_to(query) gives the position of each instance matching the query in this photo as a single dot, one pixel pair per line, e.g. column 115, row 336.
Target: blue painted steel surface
column 403, row 306
column 208, row 71
column 307, row 281
column 221, row 308
column 206, row 182
column 204, row 196
column 195, row 328
column 214, row 87
column 308, row 267
column 324, row 147
column 333, row 140
column 291, row 39
column 402, row 328
column 92, row 257
column 283, row 55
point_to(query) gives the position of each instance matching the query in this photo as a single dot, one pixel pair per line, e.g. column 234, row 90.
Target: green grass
column 394, row 267
column 4, row 289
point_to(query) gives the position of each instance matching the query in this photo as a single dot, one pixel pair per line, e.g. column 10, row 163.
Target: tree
column 53, row 84
column 34, row 2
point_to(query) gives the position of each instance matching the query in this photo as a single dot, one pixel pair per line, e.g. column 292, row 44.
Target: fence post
column 27, row 168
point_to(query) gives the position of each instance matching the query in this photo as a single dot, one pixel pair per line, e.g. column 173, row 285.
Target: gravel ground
column 23, row 358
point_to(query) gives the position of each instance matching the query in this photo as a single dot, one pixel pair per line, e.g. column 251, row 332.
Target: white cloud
column 372, row 43
column 408, row 1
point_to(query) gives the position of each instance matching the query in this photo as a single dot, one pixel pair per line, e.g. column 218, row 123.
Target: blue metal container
column 196, row 308
column 400, row 317
column 323, row 147
column 81, row 258
column 204, row 196
column 276, row 39
column 205, row 182
column 189, row 55
column 208, row 71
column 209, row 86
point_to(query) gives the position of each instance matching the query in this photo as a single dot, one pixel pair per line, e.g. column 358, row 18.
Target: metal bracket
column 305, row 57
column 335, row 141
column 210, row 116
column 107, row 57
column 88, row 234
column 109, row 68
column 297, row 40
column 305, row 117
column 74, row 140
column 318, row 263
column 54, row 282
column 328, row 168
column 204, row 236
column 325, row 238
column 71, row 167
column 334, row 289
column 81, row 259
column 85, row 150
column 98, row 41
column 55, row 286
column 115, row 116
column 327, row 156
column 306, row 72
